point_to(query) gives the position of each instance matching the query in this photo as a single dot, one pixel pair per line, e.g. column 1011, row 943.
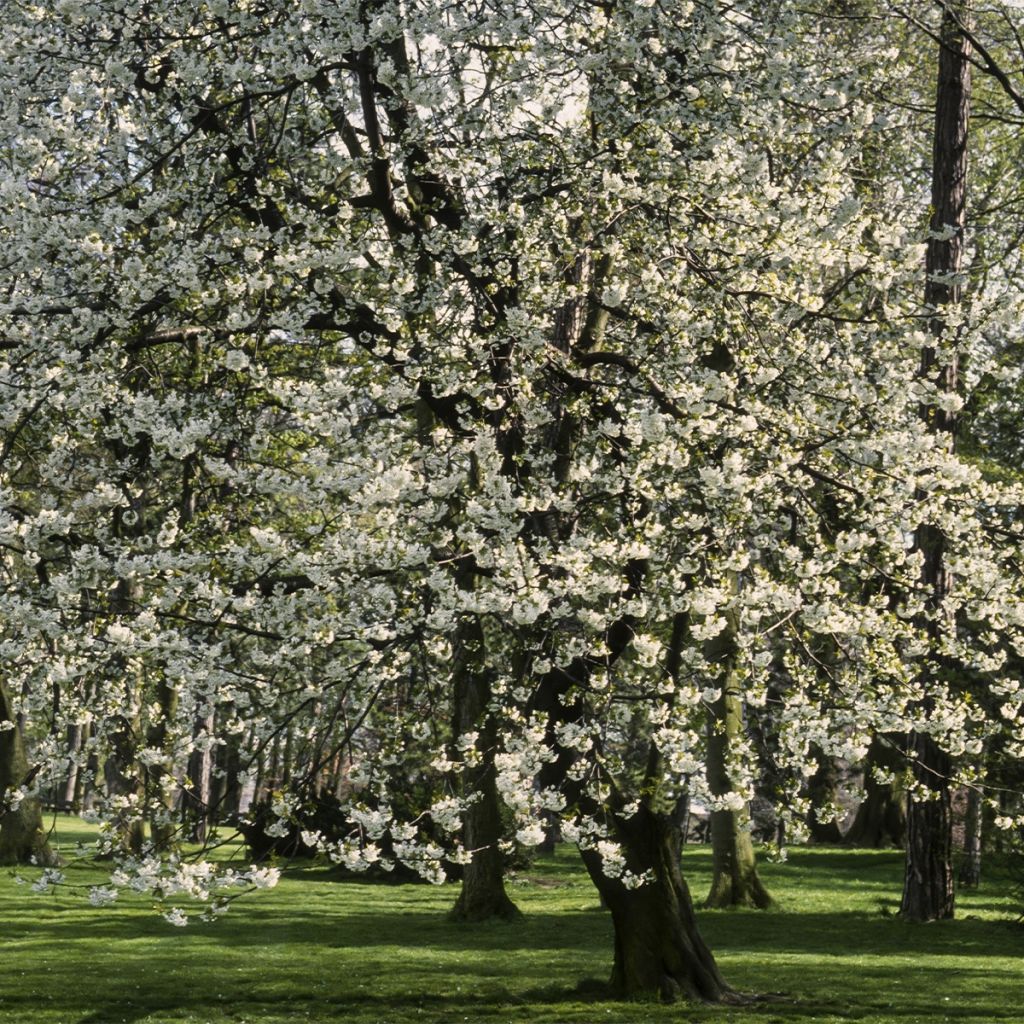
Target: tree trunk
column 970, row 869
column 483, row 894
column 66, row 797
column 196, row 798
column 228, row 790
column 658, row 949
column 22, row 839
column 823, row 791
column 120, row 778
column 159, row 792
column 928, row 882
column 735, row 882
column 881, row 819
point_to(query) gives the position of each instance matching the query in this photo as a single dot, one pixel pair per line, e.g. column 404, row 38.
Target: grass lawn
column 316, row 950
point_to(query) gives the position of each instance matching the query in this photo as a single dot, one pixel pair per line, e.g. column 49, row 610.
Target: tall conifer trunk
column 928, row 881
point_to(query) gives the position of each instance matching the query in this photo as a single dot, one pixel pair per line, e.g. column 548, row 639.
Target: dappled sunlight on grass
column 316, row 949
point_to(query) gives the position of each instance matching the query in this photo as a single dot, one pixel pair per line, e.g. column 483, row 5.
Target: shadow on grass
column 845, row 934
column 347, row 952
column 583, row 1002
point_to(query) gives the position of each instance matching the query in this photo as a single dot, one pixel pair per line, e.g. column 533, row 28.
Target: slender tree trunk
column 228, row 791
column 196, row 803
column 928, row 881
column 272, row 779
column 66, row 801
column 85, row 786
column 286, row 754
column 22, row 839
column 161, row 796
column 735, row 882
column 658, row 948
column 261, row 790
column 122, row 774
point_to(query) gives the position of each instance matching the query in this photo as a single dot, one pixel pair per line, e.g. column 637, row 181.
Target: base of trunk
column 748, row 891
column 736, row 882
column 658, row 949
column 825, row 834
column 489, row 907
column 483, row 896
column 880, row 821
column 655, row 954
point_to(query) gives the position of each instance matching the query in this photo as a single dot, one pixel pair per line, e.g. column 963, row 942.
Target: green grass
column 317, row 950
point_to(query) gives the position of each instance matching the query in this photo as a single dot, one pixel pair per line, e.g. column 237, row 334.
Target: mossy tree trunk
column 22, row 838
column 735, row 882
column 121, row 778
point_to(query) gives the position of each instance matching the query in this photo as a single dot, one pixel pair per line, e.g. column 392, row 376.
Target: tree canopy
column 359, row 357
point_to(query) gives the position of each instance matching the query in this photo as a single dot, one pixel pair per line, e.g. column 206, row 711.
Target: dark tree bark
column 483, row 894
column 22, row 838
column 881, row 819
column 658, row 948
column 227, row 798
column 823, row 787
column 928, row 881
column 197, row 810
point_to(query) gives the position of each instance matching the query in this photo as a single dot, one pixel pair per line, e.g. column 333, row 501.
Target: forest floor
column 318, row 950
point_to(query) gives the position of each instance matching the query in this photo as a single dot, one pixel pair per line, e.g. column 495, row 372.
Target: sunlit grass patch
column 316, row 949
